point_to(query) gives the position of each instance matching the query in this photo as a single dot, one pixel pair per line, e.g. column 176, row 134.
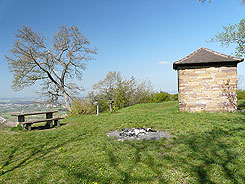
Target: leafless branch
column 34, row 60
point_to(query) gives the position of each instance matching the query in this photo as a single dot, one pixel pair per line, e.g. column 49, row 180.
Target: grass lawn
column 205, row 148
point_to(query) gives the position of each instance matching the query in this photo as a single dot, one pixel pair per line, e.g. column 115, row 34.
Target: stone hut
column 207, row 81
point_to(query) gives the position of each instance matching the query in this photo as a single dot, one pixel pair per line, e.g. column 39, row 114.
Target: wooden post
column 48, row 116
column 98, row 112
column 111, row 105
column 97, row 108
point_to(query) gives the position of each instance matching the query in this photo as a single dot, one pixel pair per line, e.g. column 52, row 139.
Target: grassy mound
column 206, row 148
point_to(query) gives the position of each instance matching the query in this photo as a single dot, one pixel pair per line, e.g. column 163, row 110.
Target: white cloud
column 163, row 63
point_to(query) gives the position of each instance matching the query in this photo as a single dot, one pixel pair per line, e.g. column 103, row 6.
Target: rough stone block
column 205, row 85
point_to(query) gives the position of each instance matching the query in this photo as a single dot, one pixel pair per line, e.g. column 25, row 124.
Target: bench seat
column 28, row 124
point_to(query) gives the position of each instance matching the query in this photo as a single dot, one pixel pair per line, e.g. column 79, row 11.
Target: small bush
column 241, row 94
column 124, row 92
column 241, row 104
column 101, row 100
column 174, row 97
column 81, row 106
column 160, row 97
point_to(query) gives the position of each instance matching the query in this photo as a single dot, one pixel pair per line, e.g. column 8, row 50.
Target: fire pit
column 138, row 134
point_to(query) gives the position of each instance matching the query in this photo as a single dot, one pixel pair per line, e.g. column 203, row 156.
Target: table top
column 33, row 113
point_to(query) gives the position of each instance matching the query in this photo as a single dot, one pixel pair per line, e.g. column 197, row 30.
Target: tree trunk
column 67, row 100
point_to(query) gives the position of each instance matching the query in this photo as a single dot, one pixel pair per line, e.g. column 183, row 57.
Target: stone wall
column 211, row 89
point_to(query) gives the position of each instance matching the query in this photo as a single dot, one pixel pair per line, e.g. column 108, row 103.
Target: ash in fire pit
column 129, row 132
column 138, row 134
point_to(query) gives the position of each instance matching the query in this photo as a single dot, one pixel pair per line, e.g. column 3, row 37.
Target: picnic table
column 49, row 119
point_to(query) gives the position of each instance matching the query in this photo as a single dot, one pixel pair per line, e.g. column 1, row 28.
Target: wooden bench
column 49, row 119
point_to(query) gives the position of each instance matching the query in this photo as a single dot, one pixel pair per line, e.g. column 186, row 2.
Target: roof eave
column 175, row 65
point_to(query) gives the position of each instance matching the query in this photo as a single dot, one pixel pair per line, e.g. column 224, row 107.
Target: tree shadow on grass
column 121, row 175
column 202, row 154
column 140, row 156
column 45, row 127
column 37, row 152
column 206, row 152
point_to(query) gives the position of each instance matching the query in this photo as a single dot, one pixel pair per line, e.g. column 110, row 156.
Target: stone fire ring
column 149, row 135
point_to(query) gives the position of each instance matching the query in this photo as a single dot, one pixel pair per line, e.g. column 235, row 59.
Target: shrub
column 241, row 104
column 160, row 97
column 81, row 106
column 123, row 92
column 100, row 99
column 241, row 94
column 174, row 97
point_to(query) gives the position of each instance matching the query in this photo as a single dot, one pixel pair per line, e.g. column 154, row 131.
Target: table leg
column 56, row 122
column 21, row 118
column 49, row 123
column 28, row 127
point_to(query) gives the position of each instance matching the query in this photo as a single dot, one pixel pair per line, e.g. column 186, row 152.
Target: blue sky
column 132, row 36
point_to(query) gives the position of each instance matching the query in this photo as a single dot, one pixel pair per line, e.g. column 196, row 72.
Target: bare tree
column 204, row 1
column 229, row 91
column 242, row 1
column 240, row 81
column 109, row 84
column 54, row 64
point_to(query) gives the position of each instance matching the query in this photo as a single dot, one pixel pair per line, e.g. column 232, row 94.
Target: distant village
column 9, row 106
column 31, row 104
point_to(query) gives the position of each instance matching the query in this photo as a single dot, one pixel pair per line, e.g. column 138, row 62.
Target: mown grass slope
column 205, row 148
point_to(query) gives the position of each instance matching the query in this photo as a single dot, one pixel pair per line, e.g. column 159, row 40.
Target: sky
column 140, row 38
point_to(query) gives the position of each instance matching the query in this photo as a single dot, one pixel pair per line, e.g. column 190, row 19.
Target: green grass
column 205, row 148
